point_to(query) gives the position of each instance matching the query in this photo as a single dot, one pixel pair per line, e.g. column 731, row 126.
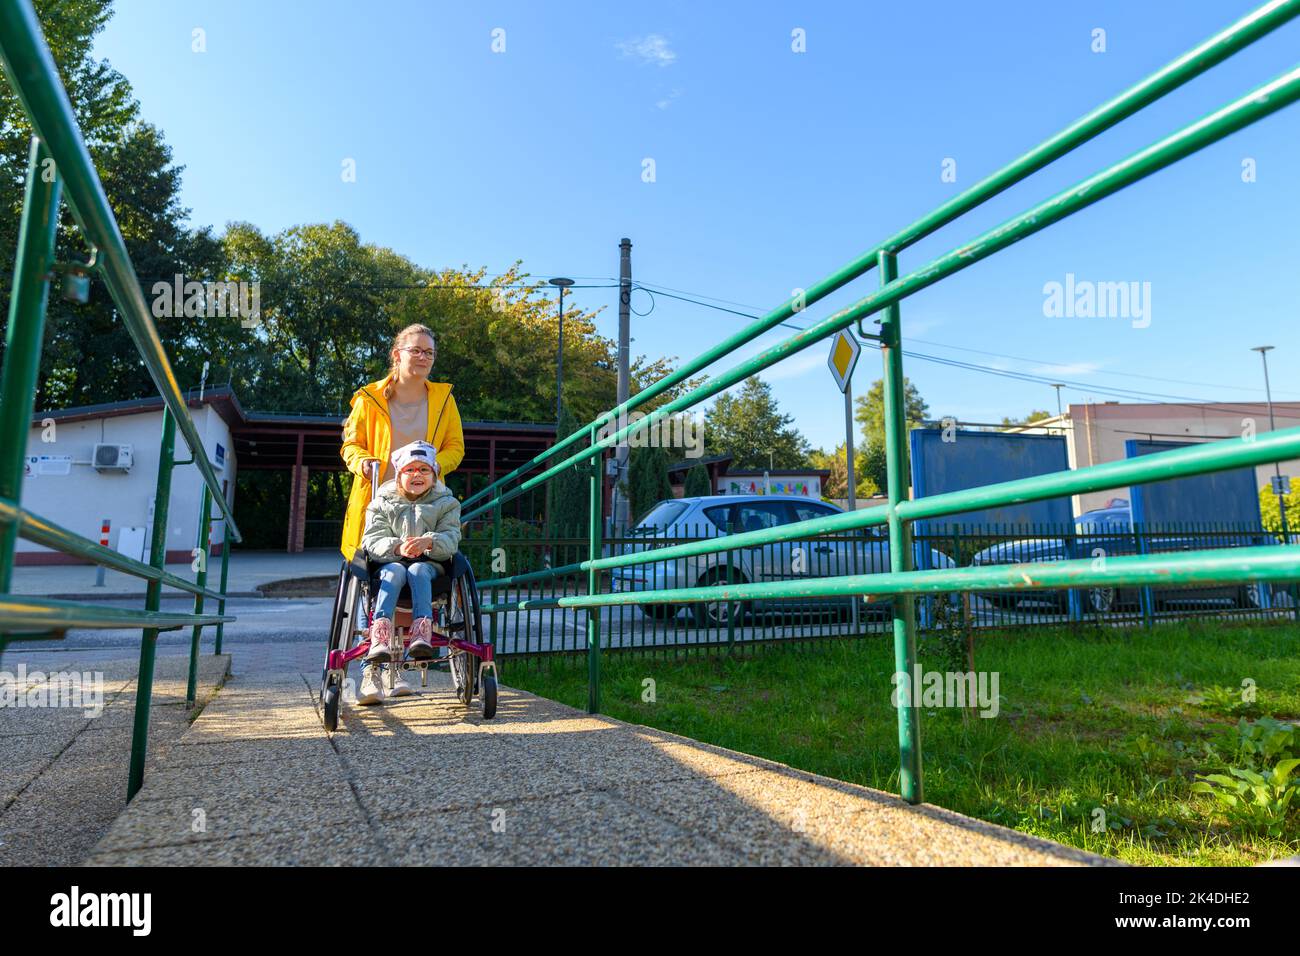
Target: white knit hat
column 415, row 452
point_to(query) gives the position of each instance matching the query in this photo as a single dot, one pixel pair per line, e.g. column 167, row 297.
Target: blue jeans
column 420, row 578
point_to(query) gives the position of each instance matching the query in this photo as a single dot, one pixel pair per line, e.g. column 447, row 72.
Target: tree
column 647, row 480
column 330, row 305
column 567, row 492
column 875, row 467
column 870, row 414
column 1271, row 513
column 89, row 356
column 836, row 486
column 751, row 428
column 101, row 101
column 697, row 483
column 869, row 411
column 1035, row 416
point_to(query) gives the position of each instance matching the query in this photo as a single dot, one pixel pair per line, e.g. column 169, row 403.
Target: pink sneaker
column 420, row 648
column 381, row 639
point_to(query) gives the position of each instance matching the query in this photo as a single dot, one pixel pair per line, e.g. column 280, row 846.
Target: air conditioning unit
column 113, row 457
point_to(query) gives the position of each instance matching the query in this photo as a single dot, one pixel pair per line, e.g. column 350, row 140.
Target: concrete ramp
column 420, row 781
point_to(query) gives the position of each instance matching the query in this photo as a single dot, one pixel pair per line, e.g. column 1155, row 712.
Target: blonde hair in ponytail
column 410, row 332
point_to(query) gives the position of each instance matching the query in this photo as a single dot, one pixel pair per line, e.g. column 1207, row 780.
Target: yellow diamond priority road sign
column 844, row 355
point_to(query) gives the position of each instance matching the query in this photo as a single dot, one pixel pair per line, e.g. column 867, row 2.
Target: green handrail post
column 225, row 570
column 731, row 617
column 152, row 601
column 23, row 338
column 900, row 540
column 201, row 578
column 1146, row 597
column 496, row 543
column 594, row 517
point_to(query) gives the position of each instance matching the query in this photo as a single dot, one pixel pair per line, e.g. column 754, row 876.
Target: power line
column 1028, row 377
column 700, row 295
column 707, row 305
column 1020, row 358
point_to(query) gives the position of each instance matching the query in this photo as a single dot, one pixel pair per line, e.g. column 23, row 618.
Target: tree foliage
column 89, row 356
column 1271, row 513
column 567, row 493
column 697, row 483
column 836, row 486
column 647, row 481
column 1035, row 416
column 869, row 411
column 750, row 427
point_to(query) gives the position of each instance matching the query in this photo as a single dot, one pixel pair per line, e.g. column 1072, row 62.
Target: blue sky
column 772, row 168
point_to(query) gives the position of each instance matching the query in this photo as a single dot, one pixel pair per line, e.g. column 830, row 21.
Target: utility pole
column 1058, row 386
column 618, row 511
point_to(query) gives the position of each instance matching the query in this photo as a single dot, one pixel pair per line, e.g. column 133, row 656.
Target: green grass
column 1121, row 719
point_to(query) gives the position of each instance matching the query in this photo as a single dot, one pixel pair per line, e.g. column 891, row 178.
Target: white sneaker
column 372, row 685
column 400, row 687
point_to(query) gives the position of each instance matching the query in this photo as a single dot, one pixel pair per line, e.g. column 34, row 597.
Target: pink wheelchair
column 457, row 625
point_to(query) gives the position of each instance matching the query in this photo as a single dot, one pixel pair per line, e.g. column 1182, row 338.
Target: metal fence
column 663, row 628
column 322, row 533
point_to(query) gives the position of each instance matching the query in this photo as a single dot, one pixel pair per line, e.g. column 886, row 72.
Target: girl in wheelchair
column 412, row 523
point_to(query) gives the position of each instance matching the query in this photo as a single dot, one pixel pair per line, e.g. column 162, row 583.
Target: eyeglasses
column 413, row 351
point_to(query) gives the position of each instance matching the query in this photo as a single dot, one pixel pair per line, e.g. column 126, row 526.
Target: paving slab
column 324, row 807
column 293, row 848
column 271, row 749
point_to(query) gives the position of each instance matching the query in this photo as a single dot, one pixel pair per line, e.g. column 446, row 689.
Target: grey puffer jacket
column 391, row 516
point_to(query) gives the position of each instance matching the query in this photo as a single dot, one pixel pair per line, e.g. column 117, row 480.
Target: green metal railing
column 1239, row 565
column 59, row 166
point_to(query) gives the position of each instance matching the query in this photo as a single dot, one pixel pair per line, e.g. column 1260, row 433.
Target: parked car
column 1109, row 532
column 866, row 552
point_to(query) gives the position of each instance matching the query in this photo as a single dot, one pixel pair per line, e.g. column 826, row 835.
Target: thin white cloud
column 800, row 364
column 667, row 101
column 648, row 49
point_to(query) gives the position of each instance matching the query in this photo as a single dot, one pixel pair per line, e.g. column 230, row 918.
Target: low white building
column 63, row 484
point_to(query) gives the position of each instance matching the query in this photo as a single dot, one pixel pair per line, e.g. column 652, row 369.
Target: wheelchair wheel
column 337, row 627
column 489, row 697
column 330, row 706
column 464, row 665
column 349, row 607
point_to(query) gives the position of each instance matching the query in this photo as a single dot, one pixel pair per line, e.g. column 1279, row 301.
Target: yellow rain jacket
column 368, row 434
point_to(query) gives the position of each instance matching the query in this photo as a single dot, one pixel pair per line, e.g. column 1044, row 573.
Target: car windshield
column 661, row 516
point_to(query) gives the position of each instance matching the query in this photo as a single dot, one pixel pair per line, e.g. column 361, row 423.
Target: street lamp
column 1058, row 386
column 1263, row 351
column 561, row 283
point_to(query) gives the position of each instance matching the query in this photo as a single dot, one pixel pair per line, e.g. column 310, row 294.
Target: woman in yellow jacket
column 400, row 408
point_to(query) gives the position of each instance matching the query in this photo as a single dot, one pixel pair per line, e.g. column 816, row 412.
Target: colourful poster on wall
column 803, row 487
